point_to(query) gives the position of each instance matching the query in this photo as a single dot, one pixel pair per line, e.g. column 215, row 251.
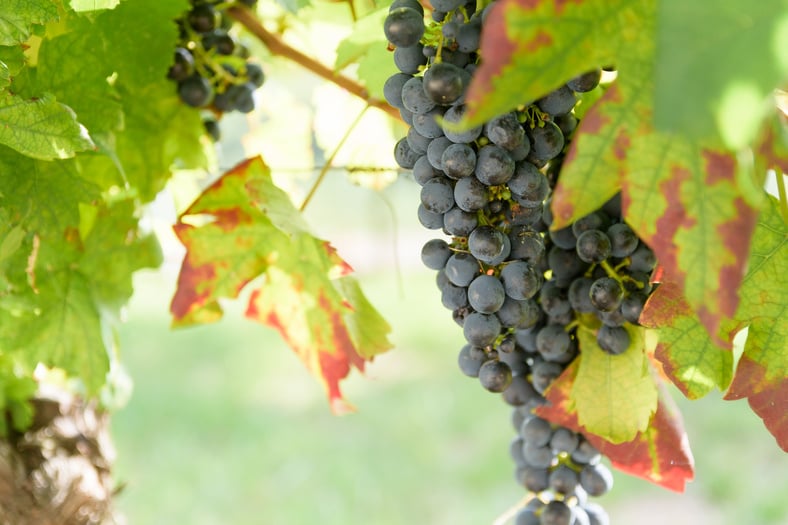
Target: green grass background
column 225, row 426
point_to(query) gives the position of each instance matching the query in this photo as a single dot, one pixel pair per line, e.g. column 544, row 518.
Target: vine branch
column 277, row 46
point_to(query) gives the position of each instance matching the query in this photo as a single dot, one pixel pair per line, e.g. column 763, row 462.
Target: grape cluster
column 211, row 68
column 518, row 289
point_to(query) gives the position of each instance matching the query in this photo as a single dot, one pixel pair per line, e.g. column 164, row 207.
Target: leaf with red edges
column 762, row 372
column 531, row 47
column 249, row 228
column 660, row 454
column 684, row 200
column 687, row 354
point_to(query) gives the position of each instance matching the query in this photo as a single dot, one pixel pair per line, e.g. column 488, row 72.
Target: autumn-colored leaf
column 688, row 356
column 249, row 228
column 762, row 372
column 614, row 395
column 660, row 454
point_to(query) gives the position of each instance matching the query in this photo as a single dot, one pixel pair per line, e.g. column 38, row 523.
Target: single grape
column 505, row 131
column 547, row 141
column 585, row 453
column 481, row 329
column 410, row 59
column 414, row 99
column 606, row 294
column 422, row 169
column 553, row 342
column 437, row 195
column 520, row 280
column 556, row 513
column 404, row 155
column 527, row 245
column 427, row 123
column 613, row 339
column 486, row 294
column 586, row 81
column 614, row 318
column 516, row 444
column 557, row 102
column 459, row 223
column 565, row 264
column 563, row 238
column 462, row 268
column 642, row 260
column 536, row 431
column 470, row 194
column 593, row 246
column 623, row 240
column 563, row 479
column 435, row 151
column 520, row 392
column 564, row 440
column 392, row 89
column 519, row 314
column 529, row 186
column 486, row 243
column 534, row 479
column 404, row 26
column 454, row 297
column 553, row 299
column 536, row 455
column 470, row 360
column 219, row 40
column 596, row 479
column 495, row 376
column 458, row 161
column 429, row 219
column 493, row 165
column 255, row 74
column 435, row 253
column 468, row 37
column 444, row 83
column 567, row 123
column 593, row 221
column 453, row 116
column 195, row 91
column 543, row 373
column 183, row 66
column 632, row 306
column 417, row 142
column 202, row 18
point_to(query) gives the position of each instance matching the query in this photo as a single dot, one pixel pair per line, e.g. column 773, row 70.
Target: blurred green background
column 225, row 426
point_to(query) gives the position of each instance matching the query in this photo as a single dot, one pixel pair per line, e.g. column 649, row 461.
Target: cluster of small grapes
column 211, row 68
column 517, row 289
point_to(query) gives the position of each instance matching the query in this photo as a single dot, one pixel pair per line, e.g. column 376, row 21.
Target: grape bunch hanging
column 212, row 70
column 518, row 289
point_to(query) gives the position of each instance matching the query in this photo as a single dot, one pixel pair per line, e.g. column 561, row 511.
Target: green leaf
column 42, row 129
column 615, row 396
column 17, row 387
column 250, row 228
column 17, row 17
column 689, row 357
column 93, row 5
column 365, row 35
column 708, row 81
column 763, row 368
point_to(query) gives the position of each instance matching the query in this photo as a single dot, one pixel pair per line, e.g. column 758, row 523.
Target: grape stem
column 277, row 46
column 509, row 513
column 330, row 160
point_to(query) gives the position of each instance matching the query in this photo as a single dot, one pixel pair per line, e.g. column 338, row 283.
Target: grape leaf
column 17, row 17
column 762, row 372
column 367, row 47
column 615, row 396
column 659, row 454
column 689, row 357
column 42, row 129
column 5, row 75
column 707, row 83
column 531, row 47
column 684, row 200
column 251, row 229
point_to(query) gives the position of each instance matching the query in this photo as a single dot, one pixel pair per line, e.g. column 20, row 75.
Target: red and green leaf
column 249, row 228
column 688, row 356
column 659, row 454
column 762, row 372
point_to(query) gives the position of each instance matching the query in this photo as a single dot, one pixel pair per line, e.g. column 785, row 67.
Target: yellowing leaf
column 251, row 229
column 615, row 396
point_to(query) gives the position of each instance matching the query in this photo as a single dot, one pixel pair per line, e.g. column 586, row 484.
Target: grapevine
column 610, row 190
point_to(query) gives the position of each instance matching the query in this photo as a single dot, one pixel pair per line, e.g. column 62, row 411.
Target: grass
column 226, row 427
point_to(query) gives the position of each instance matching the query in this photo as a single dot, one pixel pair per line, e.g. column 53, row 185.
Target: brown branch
column 277, row 46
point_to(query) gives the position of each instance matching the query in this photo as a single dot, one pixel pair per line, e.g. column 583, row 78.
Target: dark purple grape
column 586, row 81
column 495, row 376
column 417, row 142
column 404, row 155
column 486, row 294
column 427, row 124
column 470, row 194
column 563, row 480
column 597, row 479
column 470, row 360
column 452, row 116
column 556, row 513
column 410, row 59
column 593, row 221
column 494, row 166
column 422, row 169
column 606, row 294
column 459, row 223
column 444, row 83
column 462, row 268
column 458, row 161
column 579, row 295
column 623, row 240
column 437, row 195
column 195, row 91
column 520, row 280
column 414, row 99
column 564, row 440
column 613, row 339
column 519, row 314
column 435, row 253
column 642, row 260
column 404, row 26
column 428, row 219
column 505, row 131
column 481, row 329
column 547, row 141
column 202, row 18
column 632, row 306
column 593, row 246
column 392, row 89
column 486, row 243
column 520, row 392
column 557, row 102
column 183, row 66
